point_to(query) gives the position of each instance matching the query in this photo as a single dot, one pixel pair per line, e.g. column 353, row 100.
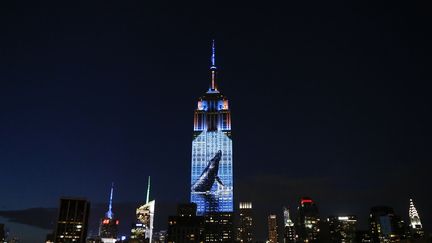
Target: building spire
column 213, row 67
column 148, row 190
column 414, row 216
column 109, row 214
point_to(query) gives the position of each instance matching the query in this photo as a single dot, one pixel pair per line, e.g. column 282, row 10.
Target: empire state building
column 212, row 158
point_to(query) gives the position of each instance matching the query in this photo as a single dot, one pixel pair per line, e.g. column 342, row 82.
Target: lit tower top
column 109, row 214
column 414, row 216
column 148, row 190
column 213, row 87
column 287, row 218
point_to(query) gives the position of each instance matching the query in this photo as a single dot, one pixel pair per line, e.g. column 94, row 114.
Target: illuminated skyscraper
column 289, row 229
column 108, row 228
column 272, row 229
column 308, row 221
column 143, row 228
column 245, row 227
column 416, row 228
column 212, row 174
column 72, row 221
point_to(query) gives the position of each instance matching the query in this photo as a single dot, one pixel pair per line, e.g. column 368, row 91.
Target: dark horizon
column 329, row 100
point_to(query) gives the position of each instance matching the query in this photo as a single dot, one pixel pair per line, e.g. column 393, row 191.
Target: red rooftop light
column 306, row 201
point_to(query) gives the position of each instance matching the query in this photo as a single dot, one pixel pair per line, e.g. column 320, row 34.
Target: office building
column 108, row 227
column 416, row 227
column 342, row 229
column 308, row 221
column 385, row 226
column 218, row 227
column 212, row 161
column 142, row 230
column 289, row 235
column 186, row 226
column 272, row 228
column 245, row 223
column 72, row 221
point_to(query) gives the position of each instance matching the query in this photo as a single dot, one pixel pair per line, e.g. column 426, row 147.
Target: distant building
column 308, row 221
column 72, row 221
column 272, row 229
column 342, row 229
column 385, row 226
column 416, row 227
column 160, row 236
column 245, row 226
column 108, row 227
column 186, row 226
column 289, row 235
column 142, row 230
column 363, row 236
column 218, row 227
column 2, row 233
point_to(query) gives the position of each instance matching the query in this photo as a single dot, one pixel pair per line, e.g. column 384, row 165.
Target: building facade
column 108, row 227
column 186, row 226
column 272, row 228
column 289, row 235
column 245, row 224
column 142, row 230
column 385, row 226
column 416, row 227
column 308, row 221
column 212, row 158
column 72, row 221
column 342, row 229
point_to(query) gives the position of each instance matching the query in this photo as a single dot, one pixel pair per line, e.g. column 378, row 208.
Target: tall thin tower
column 108, row 227
column 211, row 170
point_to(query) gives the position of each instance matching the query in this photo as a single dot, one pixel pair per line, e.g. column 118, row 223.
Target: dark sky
column 329, row 99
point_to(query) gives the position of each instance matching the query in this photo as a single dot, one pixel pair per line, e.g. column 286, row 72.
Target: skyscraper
column 289, row 229
column 211, row 171
column 384, row 224
column 108, row 227
column 245, row 227
column 186, row 226
column 272, row 229
column 416, row 228
column 308, row 220
column 143, row 228
column 342, row 229
column 72, row 220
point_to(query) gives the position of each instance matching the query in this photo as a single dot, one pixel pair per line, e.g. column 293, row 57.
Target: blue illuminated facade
column 212, row 170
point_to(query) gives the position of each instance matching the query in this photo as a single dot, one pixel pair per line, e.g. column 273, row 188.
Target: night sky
column 329, row 99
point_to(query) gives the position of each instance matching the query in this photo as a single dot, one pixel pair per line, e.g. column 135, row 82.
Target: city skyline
column 328, row 104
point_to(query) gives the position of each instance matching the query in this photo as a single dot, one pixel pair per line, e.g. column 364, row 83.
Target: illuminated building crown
column 414, row 216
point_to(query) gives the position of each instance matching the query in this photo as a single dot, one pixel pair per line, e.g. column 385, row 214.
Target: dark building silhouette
column 342, row 229
column 186, row 226
column 2, row 233
column 363, row 236
column 272, row 228
column 218, row 227
column 72, row 220
column 385, row 226
column 308, row 221
column 245, row 225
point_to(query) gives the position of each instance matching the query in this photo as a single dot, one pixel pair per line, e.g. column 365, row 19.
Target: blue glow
column 110, row 214
column 213, row 56
column 220, row 197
